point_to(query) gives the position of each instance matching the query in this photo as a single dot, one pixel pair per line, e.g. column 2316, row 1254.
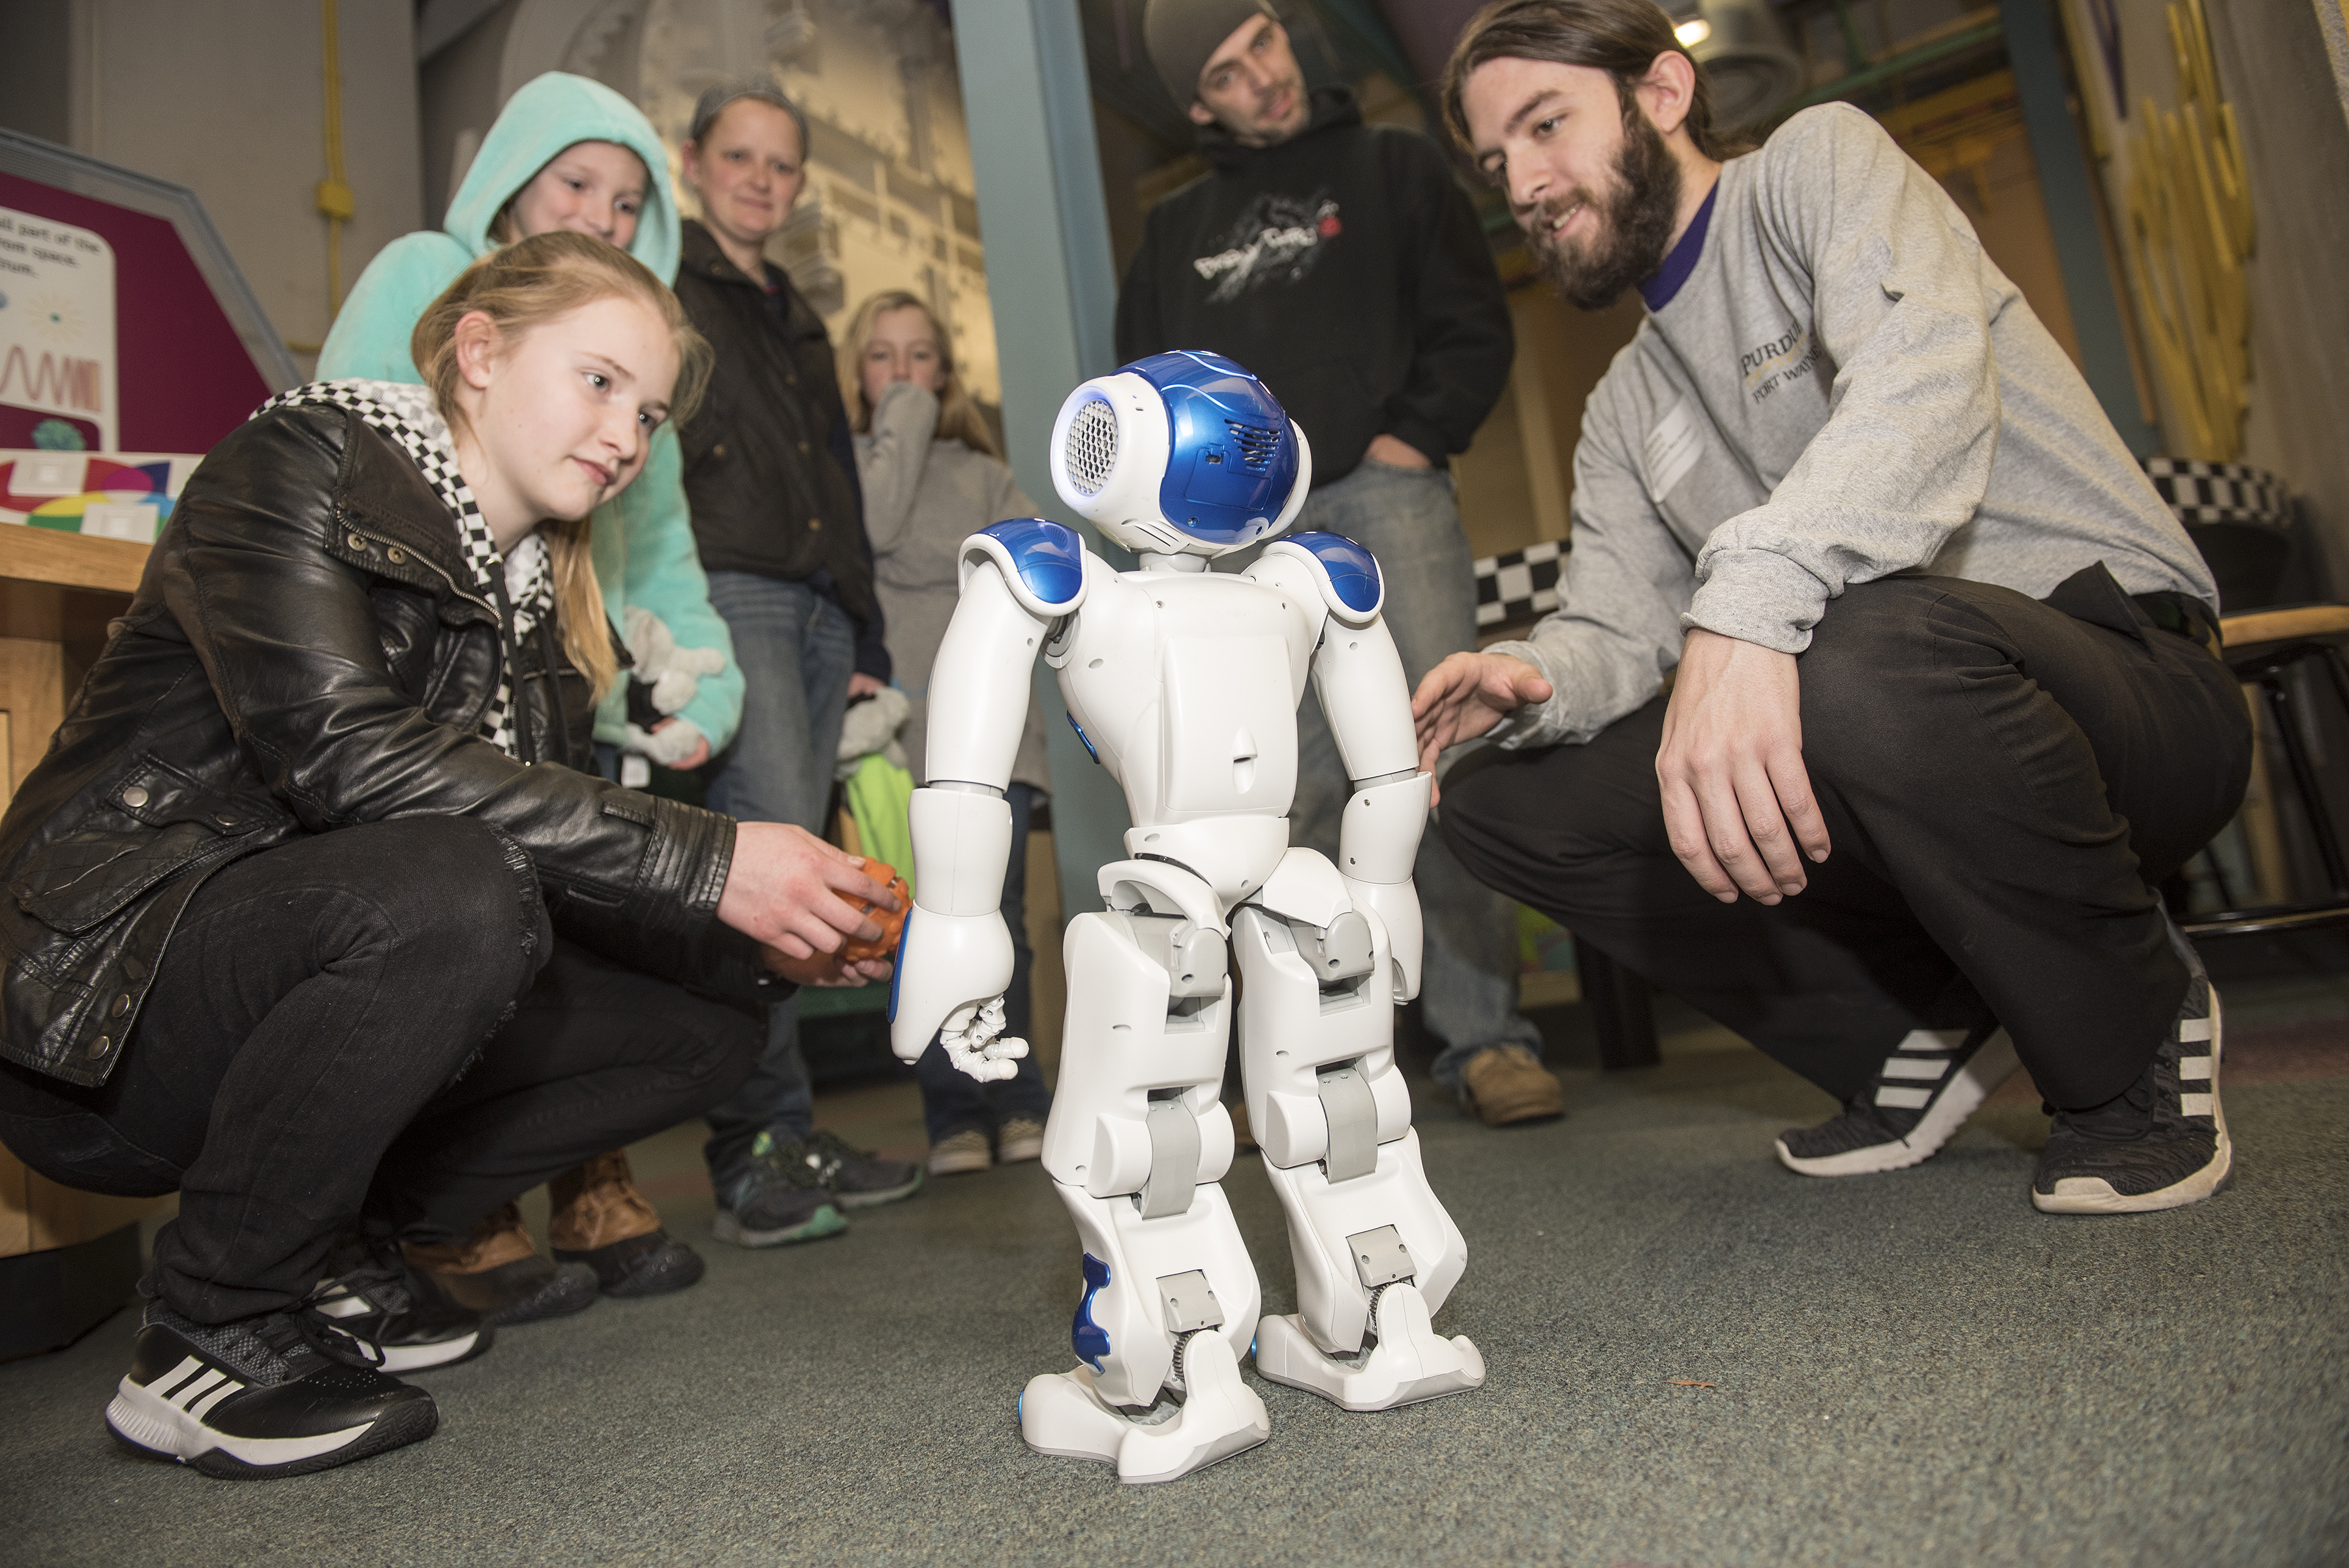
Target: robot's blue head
column 1181, row 454
column 1230, row 463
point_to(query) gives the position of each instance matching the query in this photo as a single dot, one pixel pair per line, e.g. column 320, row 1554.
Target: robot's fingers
column 977, row 1064
column 1005, row 1050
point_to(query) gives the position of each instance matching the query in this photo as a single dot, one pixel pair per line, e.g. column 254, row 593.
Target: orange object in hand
column 891, row 923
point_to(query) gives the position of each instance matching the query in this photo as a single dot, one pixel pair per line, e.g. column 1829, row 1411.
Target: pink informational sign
column 124, row 325
column 56, row 323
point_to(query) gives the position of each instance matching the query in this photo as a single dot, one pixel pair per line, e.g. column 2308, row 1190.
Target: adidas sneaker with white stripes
column 1934, row 1079
column 375, row 1296
column 2161, row 1143
column 283, row 1394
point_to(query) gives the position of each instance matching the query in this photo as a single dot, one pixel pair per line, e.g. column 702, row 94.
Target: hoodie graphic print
column 1276, row 240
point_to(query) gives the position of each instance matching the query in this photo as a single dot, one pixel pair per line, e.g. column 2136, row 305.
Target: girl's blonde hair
column 525, row 286
column 958, row 417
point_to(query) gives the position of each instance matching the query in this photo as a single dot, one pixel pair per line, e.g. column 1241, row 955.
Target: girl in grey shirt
column 931, row 479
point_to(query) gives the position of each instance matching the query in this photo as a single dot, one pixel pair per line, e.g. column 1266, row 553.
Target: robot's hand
column 948, row 966
column 974, row 1043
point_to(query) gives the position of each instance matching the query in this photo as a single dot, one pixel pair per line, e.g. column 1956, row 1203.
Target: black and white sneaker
column 2162, row 1144
column 1934, row 1079
column 283, row 1394
column 858, row 1178
column 374, row 1296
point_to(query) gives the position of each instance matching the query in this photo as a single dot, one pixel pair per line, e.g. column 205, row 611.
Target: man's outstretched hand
column 1465, row 696
column 785, row 891
column 1738, row 807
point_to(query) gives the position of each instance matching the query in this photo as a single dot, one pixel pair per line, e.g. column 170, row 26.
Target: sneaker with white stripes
column 1934, row 1079
column 375, row 1295
column 2161, row 1143
column 282, row 1394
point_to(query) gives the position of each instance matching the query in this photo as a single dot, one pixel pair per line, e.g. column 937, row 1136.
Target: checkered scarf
column 404, row 412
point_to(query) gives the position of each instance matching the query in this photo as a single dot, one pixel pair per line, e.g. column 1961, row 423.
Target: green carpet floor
column 1696, row 1359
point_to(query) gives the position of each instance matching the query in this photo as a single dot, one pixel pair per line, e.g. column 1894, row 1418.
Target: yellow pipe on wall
column 2191, row 227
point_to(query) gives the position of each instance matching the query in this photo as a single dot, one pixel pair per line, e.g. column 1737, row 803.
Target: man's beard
column 1261, row 125
column 1636, row 219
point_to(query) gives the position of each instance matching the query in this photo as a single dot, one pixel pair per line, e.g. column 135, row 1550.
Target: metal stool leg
column 2304, row 778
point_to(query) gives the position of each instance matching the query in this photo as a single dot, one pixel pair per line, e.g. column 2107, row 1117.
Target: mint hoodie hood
column 550, row 112
column 643, row 539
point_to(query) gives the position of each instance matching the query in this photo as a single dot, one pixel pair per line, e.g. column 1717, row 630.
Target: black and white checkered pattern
column 1519, row 585
column 404, row 412
column 2221, row 491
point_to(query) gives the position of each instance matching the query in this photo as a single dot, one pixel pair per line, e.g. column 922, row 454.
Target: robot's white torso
column 1185, row 686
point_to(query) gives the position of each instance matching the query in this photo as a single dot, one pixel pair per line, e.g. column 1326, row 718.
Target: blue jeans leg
column 1468, row 975
column 952, row 1100
column 797, row 650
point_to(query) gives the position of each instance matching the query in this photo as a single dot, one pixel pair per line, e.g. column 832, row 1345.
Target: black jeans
column 2004, row 784
column 313, row 1048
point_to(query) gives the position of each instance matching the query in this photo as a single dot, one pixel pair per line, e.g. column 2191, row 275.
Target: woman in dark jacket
column 772, row 483
column 318, row 912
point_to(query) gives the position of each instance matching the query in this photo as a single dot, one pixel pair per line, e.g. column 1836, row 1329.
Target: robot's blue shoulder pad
column 1350, row 576
column 1042, row 562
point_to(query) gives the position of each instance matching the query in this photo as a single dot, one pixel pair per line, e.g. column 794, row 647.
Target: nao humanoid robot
column 1184, row 683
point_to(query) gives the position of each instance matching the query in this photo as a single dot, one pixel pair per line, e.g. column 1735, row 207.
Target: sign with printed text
column 56, row 326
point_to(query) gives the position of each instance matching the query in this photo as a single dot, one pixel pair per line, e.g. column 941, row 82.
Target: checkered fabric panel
column 1520, row 585
column 2221, row 491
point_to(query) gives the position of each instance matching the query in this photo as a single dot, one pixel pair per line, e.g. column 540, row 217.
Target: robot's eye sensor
column 1092, row 445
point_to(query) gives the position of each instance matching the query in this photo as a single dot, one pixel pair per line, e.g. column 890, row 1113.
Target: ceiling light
column 1692, row 34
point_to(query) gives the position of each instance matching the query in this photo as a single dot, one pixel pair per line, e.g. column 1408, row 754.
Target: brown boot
column 1504, row 1085
column 497, row 1271
column 601, row 1219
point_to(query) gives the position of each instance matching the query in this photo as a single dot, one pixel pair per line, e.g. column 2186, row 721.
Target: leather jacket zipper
column 420, row 559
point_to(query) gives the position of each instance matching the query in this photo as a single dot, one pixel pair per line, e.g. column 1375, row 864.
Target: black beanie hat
column 1182, row 33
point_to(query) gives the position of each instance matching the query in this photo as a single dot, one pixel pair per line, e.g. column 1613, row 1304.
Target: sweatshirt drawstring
column 546, row 654
column 525, row 738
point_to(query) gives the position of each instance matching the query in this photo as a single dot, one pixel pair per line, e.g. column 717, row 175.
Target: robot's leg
column 1376, row 1254
column 1136, row 1145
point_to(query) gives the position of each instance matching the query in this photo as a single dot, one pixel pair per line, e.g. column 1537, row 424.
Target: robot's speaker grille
column 1257, row 443
column 1092, row 445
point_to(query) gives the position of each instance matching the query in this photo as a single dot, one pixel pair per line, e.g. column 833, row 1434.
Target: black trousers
column 2004, row 784
column 325, row 1039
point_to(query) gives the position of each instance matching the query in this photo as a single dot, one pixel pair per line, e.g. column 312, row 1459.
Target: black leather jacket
column 305, row 652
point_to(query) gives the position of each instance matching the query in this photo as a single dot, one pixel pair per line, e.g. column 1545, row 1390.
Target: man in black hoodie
column 1343, row 263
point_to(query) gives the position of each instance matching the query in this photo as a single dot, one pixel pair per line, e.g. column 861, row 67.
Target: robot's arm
column 954, row 959
column 1359, row 677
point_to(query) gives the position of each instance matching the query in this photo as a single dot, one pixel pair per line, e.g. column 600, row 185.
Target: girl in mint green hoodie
column 567, row 152
column 644, row 550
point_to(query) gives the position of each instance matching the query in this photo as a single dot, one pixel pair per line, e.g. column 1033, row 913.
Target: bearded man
column 1884, row 689
column 1344, row 264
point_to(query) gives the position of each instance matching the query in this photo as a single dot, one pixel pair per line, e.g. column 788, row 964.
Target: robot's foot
column 1061, row 1414
column 1410, row 1361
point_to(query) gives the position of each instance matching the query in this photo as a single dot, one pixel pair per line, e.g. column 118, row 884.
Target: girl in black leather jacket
column 316, row 912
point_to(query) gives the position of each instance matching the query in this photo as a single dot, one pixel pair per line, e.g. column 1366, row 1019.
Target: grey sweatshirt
column 923, row 497
column 1844, row 388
